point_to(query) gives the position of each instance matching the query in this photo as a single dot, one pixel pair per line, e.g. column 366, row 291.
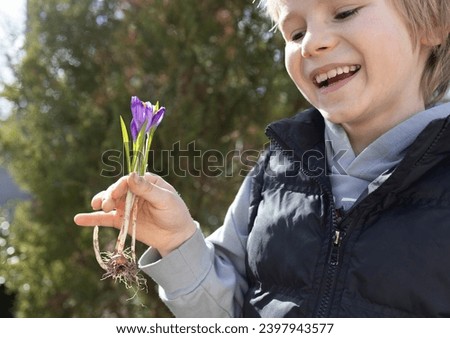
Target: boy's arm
column 206, row 277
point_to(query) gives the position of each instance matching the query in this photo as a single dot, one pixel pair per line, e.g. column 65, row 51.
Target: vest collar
column 301, row 133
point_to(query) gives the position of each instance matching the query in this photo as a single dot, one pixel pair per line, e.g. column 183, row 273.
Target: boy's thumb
column 147, row 188
column 140, row 187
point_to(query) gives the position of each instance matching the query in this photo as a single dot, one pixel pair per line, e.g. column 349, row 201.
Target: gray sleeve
column 206, row 277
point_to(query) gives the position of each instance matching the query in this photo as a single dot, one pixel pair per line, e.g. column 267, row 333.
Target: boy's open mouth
column 335, row 75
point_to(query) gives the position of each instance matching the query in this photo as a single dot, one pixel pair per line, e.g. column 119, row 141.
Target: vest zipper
column 334, row 253
column 337, row 235
column 332, row 266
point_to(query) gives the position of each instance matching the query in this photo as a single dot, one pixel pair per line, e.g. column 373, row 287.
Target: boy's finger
column 109, row 219
column 96, row 202
column 115, row 192
column 119, row 189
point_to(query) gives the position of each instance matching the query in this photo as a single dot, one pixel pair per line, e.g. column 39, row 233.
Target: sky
column 12, row 20
column 12, row 23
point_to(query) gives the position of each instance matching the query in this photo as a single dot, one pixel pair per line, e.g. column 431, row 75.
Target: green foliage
column 126, row 144
column 219, row 72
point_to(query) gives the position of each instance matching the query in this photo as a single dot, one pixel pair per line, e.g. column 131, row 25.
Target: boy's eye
column 346, row 14
column 298, row 36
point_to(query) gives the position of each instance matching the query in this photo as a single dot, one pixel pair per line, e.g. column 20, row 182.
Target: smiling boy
column 347, row 214
column 370, row 45
column 379, row 84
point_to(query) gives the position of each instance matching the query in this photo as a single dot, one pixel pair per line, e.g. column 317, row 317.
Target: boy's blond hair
column 423, row 18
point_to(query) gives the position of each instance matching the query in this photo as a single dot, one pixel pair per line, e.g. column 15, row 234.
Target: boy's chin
column 333, row 117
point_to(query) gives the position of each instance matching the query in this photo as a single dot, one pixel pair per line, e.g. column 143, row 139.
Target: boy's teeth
column 334, row 72
column 321, row 77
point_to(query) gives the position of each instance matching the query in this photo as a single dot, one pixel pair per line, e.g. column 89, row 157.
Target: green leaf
column 126, row 143
column 147, row 148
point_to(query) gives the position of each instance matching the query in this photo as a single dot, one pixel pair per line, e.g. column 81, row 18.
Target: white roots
column 121, row 264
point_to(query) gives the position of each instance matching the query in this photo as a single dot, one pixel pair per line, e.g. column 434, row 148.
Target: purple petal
column 157, row 118
column 138, row 109
column 148, row 115
column 135, row 101
column 141, row 113
column 149, row 106
column 135, row 105
column 134, row 130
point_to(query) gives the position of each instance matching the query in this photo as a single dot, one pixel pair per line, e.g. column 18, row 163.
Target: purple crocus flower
column 143, row 113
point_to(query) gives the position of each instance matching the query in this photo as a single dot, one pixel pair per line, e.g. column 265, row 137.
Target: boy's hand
column 163, row 220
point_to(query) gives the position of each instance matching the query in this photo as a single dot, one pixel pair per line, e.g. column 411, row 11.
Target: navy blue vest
column 387, row 257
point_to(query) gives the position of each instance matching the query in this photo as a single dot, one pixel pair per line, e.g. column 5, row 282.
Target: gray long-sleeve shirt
column 207, row 278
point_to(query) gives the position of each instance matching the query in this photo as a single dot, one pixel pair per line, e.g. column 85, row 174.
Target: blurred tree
column 215, row 66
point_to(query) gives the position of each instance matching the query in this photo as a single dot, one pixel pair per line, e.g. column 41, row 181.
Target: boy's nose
column 317, row 41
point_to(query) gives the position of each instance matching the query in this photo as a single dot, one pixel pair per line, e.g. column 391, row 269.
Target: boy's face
column 353, row 60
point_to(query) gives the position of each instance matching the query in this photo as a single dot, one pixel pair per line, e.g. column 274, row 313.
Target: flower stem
column 133, row 230
column 129, row 202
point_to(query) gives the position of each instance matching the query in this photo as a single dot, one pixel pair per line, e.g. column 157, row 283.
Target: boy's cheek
column 291, row 62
